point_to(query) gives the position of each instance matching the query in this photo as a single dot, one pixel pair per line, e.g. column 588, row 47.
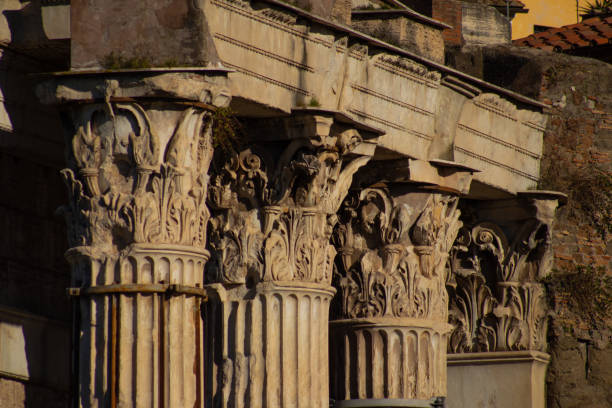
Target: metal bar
column 139, row 288
column 198, row 356
column 113, row 362
column 187, row 290
column 162, row 350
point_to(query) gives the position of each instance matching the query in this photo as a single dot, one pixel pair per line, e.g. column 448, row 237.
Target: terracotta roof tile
column 591, row 20
column 605, row 31
column 561, row 44
column 591, row 32
column 547, row 48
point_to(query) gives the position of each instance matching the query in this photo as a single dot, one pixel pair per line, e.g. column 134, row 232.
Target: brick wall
column 449, row 12
column 422, row 39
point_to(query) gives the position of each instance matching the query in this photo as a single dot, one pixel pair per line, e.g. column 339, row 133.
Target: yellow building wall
column 553, row 13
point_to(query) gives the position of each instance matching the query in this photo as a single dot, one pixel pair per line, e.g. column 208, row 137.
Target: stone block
column 34, row 349
column 483, row 25
column 497, row 380
column 151, row 32
column 405, row 31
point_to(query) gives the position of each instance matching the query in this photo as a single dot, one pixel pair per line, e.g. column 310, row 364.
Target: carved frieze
column 496, row 302
column 274, row 208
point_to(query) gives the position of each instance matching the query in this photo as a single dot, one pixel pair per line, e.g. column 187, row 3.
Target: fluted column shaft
column 388, row 358
column 141, row 331
column 269, row 345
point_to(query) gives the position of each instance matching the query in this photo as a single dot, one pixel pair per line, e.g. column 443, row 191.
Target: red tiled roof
column 590, row 32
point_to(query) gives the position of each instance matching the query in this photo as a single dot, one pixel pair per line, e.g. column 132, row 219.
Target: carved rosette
column 137, row 223
column 391, row 309
column 273, row 208
column 496, row 302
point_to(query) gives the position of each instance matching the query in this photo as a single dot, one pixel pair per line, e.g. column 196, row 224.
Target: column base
column 383, row 403
column 502, row 379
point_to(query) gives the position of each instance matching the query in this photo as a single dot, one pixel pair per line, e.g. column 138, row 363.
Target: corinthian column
column 274, row 204
column 389, row 320
column 498, row 307
column 137, row 218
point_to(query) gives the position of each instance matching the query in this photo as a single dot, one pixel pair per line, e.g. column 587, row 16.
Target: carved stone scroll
column 274, row 203
column 496, row 300
column 389, row 318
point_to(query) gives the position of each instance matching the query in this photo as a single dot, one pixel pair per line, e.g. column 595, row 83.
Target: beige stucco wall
column 543, row 12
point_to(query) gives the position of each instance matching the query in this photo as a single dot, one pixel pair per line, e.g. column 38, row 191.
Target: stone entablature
column 285, row 57
column 427, row 110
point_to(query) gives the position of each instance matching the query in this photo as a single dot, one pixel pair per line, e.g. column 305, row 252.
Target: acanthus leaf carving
column 142, row 201
column 471, row 314
column 290, row 197
column 505, row 277
column 385, row 269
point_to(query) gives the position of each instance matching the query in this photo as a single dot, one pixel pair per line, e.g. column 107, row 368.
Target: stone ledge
column 498, row 357
column 383, row 402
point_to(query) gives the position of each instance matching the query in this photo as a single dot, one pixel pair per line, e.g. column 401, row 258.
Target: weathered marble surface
column 274, row 206
column 426, row 111
column 389, row 322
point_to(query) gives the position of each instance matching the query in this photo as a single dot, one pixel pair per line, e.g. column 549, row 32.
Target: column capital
column 497, row 302
column 275, row 198
column 393, row 240
column 138, row 149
